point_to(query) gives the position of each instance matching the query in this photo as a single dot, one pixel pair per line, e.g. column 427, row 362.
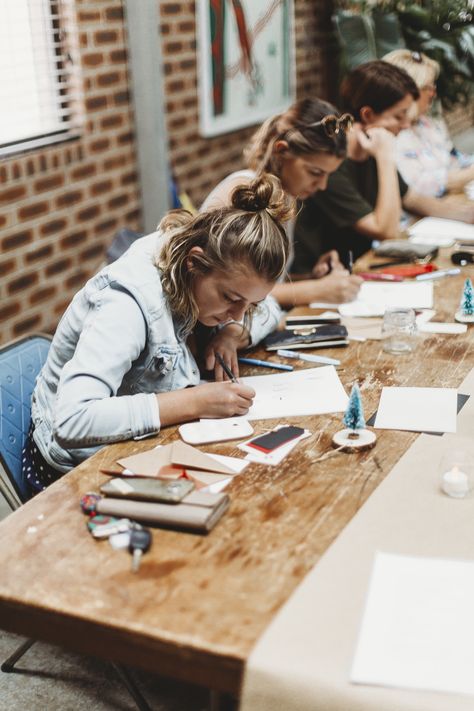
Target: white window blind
column 39, row 87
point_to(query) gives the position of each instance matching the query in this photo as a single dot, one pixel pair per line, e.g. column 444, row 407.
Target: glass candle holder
column 399, row 330
column 456, row 474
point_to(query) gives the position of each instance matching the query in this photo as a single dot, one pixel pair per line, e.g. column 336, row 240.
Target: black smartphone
column 268, row 442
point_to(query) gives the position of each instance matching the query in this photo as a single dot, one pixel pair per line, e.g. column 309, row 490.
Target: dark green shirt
column 327, row 219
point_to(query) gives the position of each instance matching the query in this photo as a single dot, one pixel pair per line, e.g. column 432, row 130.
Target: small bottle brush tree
column 355, row 436
column 354, row 415
column 466, row 306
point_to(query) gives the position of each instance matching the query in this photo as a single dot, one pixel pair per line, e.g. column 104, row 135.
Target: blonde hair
column 417, row 65
column 294, row 127
column 246, row 235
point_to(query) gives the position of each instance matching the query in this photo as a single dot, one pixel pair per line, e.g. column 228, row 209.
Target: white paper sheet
column 418, row 625
column 417, row 409
column 436, row 230
column 313, row 391
column 437, row 327
column 374, row 298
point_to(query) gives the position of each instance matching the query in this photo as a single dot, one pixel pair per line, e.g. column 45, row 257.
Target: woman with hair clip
column 426, row 157
column 122, row 359
column 302, row 147
column 364, row 197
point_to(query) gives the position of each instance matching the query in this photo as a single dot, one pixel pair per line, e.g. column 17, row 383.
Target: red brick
column 125, row 138
column 128, row 178
column 118, row 201
column 53, row 181
column 114, row 13
column 112, row 121
column 12, row 194
column 92, row 252
column 88, row 213
column 17, row 240
column 33, row 210
column 168, row 8
column 115, row 162
column 88, row 15
column 9, row 310
column 26, row 325
column 85, row 171
column 118, row 56
column 100, row 145
column 38, row 254
column 96, row 102
column 7, row 267
column 108, row 79
column 106, row 226
column 121, row 97
column 73, row 239
column 69, row 198
column 44, row 294
column 23, row 282
column 57, row 267
column 77, row 280
column 105, row 37
column 93, row 59
column 102, row 187
column 54, row 226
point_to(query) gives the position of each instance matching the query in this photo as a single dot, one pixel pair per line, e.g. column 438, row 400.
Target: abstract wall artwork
column 246, row 62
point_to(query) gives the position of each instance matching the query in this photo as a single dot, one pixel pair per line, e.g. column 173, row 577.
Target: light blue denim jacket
column 116, row 346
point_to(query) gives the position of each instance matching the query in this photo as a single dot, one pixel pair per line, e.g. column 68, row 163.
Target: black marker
column 226, row 368
column 350, row 261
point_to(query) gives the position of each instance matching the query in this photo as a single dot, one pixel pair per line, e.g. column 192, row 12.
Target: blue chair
column 20, row 363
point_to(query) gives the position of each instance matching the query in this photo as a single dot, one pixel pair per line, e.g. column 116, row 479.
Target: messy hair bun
column 264, row 193
column 247, row 236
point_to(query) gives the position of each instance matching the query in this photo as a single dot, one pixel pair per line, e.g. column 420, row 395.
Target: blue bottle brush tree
column 465, row 312
column 355, row 436
column 354, row 415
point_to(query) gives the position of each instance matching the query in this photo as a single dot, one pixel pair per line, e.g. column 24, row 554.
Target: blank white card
column 418, row 625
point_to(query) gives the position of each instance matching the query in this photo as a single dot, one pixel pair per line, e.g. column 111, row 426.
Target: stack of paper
column 374, row 298
column 417, row 409
column 440, row 232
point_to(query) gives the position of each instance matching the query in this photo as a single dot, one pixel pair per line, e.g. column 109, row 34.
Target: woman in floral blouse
column 426, row 157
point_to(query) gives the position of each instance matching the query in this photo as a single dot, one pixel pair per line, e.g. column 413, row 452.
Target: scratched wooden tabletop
column 199, row 603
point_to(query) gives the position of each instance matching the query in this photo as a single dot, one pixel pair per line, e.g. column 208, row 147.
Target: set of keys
column 121, row 532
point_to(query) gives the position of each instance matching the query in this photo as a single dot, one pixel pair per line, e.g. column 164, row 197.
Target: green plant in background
column 442, row 29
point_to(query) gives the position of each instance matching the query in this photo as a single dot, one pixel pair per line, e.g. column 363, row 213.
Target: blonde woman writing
column 122, row 360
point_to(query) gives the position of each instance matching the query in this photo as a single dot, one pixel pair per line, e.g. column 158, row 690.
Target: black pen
column 393, row 262
column 226, row 368
column 350, row 261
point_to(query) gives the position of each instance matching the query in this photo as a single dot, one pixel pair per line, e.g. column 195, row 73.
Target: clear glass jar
column 399, row 330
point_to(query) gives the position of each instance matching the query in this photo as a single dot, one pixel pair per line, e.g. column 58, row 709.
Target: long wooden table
column 199, row 603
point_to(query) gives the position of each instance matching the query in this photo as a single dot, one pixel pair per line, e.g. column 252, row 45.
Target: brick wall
column 199, row 163
column 61, row 205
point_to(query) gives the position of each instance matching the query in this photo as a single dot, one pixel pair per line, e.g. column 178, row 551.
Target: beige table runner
column 302, row 662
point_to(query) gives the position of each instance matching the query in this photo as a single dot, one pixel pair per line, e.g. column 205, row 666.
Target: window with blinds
column 39, row 87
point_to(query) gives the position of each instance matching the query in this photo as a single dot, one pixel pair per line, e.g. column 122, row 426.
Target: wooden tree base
column 459, row 316
column 365, row 440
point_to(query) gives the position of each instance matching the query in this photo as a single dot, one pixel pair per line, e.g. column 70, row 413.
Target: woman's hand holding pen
column 327, row 262
column 338, row 287
column 226, row 343
column 221, row 399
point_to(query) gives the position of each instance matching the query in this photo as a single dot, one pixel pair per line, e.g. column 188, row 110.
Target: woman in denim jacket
column 122, row 358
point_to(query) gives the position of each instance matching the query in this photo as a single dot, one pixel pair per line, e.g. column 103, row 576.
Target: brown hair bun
column 264, row 193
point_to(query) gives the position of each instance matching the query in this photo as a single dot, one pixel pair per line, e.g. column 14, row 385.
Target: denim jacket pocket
column 158, row 374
